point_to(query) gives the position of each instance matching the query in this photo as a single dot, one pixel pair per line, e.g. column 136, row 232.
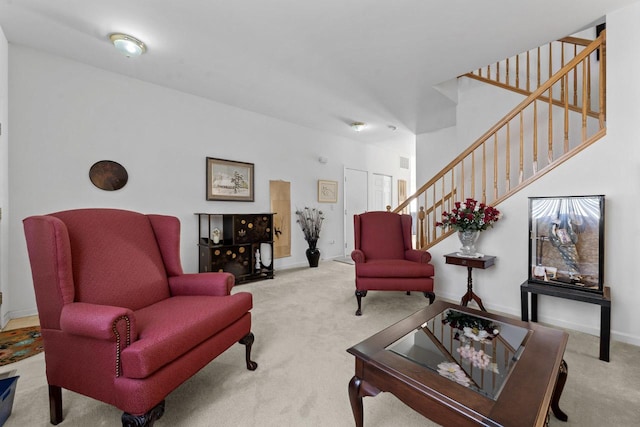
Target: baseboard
column 18, row 314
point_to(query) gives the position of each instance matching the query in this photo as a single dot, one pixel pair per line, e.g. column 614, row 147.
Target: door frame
column 348, row 222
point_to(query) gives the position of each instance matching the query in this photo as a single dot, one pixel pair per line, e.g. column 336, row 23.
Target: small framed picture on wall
column 327, row 191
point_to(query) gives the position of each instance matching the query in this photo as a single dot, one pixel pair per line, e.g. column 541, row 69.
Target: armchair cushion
column 174, row 326
column 394, row 268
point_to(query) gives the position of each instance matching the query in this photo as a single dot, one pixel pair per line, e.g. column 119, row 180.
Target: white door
column 381, row 192
column 356, row 198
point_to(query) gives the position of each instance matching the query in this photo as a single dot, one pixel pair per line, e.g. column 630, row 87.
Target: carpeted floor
column 18, row 344
column 304, row 321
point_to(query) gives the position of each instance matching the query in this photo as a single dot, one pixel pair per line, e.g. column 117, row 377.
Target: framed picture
column 566, row 246
column 229, row 180
column 327, row 191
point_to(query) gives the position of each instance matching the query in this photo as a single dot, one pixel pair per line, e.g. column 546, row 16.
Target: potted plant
column 310, row 220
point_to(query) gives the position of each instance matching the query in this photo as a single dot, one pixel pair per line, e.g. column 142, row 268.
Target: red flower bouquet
column 470, row 216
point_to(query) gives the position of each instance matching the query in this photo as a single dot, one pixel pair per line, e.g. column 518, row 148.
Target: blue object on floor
column 7, row 393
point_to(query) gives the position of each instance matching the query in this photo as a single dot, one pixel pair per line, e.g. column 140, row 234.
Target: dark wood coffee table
column 403, row 360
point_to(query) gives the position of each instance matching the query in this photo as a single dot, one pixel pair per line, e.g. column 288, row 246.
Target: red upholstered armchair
column 385, row 258
column 121, row 322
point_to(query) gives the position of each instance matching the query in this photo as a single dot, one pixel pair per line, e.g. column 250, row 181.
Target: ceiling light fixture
column 127, row 45
column 358, row 126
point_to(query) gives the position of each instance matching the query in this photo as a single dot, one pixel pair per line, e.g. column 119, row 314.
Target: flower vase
column 266, row 254
column 468, row 239
column 313, row 254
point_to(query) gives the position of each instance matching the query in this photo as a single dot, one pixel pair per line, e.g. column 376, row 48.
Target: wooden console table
column 604, row 301
column 483, row 262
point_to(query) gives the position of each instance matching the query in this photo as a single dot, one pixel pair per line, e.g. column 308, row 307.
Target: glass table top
column 472, row 350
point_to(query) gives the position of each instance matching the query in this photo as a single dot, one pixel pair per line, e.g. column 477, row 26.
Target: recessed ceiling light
column 127, row 45
column 358, row 126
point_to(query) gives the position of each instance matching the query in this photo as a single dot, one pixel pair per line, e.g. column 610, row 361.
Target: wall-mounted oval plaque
column 108, row 175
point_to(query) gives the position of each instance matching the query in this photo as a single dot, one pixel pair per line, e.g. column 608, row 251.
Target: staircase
column 562, row 114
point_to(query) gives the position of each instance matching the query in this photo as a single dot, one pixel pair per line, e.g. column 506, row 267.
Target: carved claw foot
column 247, row 341
column 144, row 420
column 431, row 297
column 359, row 296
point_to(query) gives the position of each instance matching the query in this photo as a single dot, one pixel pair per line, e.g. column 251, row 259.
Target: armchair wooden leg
column 144, row 420
column 359, row 296
column 55, row 404
column 431, row 296
column 247, row 341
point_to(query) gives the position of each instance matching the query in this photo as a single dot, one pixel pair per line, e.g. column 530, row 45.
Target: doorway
column 381, row 192
column 356, row 199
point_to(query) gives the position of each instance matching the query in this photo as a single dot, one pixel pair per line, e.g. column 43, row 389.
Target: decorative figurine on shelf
column 257, row 259
column 215, row 236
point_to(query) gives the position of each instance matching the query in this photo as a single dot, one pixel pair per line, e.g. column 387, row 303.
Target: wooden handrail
column 559, row 126
column 573, row 43
column 576, row 40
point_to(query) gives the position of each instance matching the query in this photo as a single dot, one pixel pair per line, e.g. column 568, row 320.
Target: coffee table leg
column 356, row 400
column 557, row 391
column 357, row 390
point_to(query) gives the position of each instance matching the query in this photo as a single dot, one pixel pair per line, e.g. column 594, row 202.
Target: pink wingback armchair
column 385, row 258
column 120, row 321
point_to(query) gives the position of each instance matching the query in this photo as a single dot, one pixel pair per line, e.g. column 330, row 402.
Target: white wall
column 4, row 170
column 610, row 167
column 434, row 150
column 65, row 116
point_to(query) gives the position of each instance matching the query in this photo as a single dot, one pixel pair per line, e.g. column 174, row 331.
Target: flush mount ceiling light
column 127, row 45
column 358, row 126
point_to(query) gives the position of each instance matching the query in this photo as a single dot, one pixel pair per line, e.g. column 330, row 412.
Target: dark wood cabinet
column 241, row 244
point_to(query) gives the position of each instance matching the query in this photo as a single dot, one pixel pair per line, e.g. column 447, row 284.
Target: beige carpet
column 304, row 322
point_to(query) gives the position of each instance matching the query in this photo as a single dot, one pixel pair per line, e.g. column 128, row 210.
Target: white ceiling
column 320, row 64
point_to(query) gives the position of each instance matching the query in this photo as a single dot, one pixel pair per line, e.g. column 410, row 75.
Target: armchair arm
column 417, row 256
column 212, row 284
column 97, row 321
column 358, row 256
